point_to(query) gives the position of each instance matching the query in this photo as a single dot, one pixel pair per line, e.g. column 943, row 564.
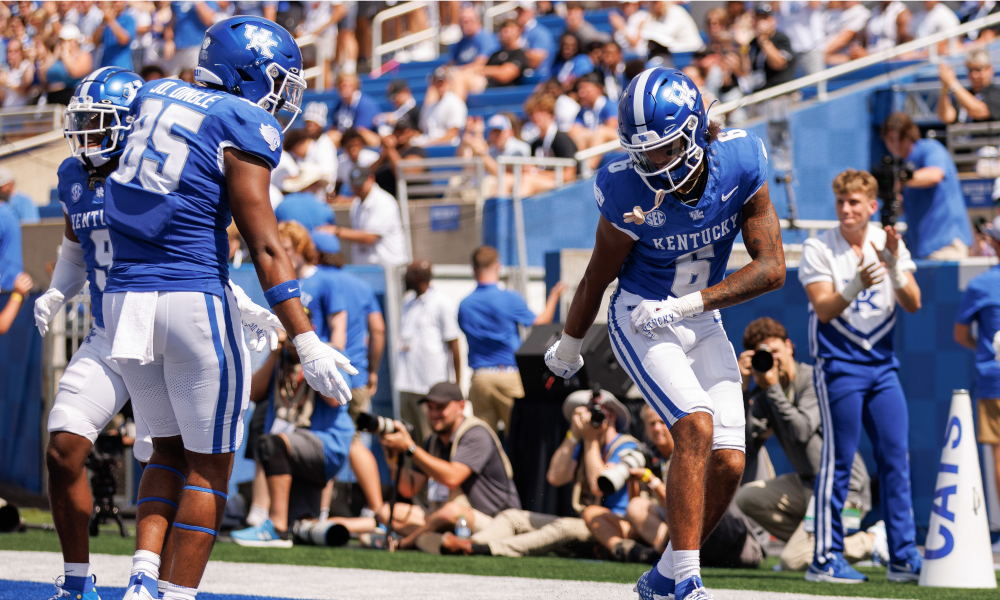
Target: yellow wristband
column 571, row 437
column 647, row 475
column 19, row 297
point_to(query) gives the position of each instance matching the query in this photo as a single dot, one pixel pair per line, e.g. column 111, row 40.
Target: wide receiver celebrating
column 669, row 216
column 195, row 157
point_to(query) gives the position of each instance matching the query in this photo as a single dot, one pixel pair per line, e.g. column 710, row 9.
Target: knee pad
column 199, row 528
column 272, row 453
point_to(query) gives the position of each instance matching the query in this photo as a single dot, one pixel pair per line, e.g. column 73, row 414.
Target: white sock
column 258, row 515
column 77, row 575
column 146, row 562
column 161, row 586
column 666, row 564
column 177, row 592
column 687, row 564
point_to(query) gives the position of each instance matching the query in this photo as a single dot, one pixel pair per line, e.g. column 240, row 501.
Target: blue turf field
column 30, row 590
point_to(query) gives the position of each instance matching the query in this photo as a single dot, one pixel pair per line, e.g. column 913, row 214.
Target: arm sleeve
column 972, row 302
column 448, row 320
column 475, row 449
column 70, row 273
column 813, row 266
column 519, row 311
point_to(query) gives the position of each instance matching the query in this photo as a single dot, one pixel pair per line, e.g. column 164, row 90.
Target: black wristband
column 411, row 449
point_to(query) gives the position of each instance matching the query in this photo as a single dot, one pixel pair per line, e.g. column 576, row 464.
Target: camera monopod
column 392, row 505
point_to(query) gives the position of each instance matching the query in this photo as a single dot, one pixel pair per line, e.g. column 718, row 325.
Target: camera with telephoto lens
column 379, row 425
column 597, row 415
column 762, row 360
column 614, row 477
column 886, row 175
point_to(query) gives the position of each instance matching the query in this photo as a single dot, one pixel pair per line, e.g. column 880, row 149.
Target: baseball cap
column 395, row 86
column 316, row 112
column 526, row 5
column 764, row 10
column 70, row 31
column 500, row 122
column 440, row 74
column 358, row 176
column 443, row 393
column 6, row 176
column 608, row 402
column 325, row 243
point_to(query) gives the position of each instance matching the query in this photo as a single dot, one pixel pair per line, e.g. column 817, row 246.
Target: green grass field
column 549, row 567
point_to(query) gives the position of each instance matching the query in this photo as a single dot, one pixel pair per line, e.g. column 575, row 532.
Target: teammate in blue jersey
column 197, row 157
column 855, row 275
column 91, row 390
column 669, row 216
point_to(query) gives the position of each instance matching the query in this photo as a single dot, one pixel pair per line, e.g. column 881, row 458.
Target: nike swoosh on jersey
column 731, row 192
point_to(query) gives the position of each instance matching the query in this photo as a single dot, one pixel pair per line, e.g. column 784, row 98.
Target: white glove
column 563, row 358
column 46, row 307
column 996, row 345
column 652, row 314
column 319, row 365
column 257, row 320
column 896, row 275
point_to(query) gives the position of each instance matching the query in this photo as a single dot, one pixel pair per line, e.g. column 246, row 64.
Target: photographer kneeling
column 784, row 404
column 598, row 459
column 463, row 464
column 310, row 436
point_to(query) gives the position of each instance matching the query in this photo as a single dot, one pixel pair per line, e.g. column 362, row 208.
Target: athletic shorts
column 989, row 421
column 690, row 368
column 198, row 384
column 91, row 392
column 306, row 457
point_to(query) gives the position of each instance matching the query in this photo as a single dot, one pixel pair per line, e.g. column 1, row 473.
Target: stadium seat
column 500, row 95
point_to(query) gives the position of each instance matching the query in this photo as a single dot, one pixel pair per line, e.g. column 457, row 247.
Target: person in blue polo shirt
column 24, row 207
column 538, row 43
column 489, row 317
column 11, row 260
column 981, row 305
column 938, row 226
column 183, row 36
column 115, row 33
column 476, row 45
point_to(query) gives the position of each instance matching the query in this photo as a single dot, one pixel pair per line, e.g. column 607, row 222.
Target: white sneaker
column 452, row 34
column 880, row 550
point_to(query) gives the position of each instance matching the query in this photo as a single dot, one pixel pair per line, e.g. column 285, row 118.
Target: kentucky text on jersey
column 85, row 209
column 168, row 202
column 680, row 249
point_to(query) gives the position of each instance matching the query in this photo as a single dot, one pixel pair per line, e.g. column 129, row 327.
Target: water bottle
column 462, row 530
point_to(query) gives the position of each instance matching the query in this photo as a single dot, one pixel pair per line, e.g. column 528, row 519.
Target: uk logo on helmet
column 260, row 40
column 681, row 93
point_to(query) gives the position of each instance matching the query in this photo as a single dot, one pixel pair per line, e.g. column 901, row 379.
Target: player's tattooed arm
column 766, row 271
column 610, row 251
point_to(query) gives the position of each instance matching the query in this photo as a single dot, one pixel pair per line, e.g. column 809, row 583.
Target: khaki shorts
column 989, row 421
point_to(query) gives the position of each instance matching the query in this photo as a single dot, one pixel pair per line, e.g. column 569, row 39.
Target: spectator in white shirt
column 886, row 28
column 804, row 24
column 355, row 155
column 320, row 151
column 627, row 27
column 844, row 30
column 321, row 19
column 376, row 229
column 491, row 140
column 673, row 28
column 442, row 120
column 935, row 18
column 428, row 333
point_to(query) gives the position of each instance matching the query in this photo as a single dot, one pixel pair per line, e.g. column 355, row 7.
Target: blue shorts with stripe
column 690, row 368
column 198, row 384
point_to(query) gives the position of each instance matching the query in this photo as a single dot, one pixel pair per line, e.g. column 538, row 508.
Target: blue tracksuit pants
column 851, row 395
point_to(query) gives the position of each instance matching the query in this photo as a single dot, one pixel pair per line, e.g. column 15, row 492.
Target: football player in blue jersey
column 669, row 216
column 91, row 390
column 197, row 157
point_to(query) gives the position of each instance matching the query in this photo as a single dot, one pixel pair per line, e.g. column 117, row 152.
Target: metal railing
column 965, row 139
column 493, row 11
column 317, row 72
column 30, row 121
column 518, row 163
column 433, row 31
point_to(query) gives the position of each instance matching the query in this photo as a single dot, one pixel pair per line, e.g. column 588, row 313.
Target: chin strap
column 638, row 215
column 94, row 178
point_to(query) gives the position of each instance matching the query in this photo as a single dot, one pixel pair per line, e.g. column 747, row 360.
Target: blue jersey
column 323, row 297
column 359, row 112
column 537, row 37
column 936, row 215
column 469, row 48
column 489, row 318
column 568, row 70
column 603, row 110
column 306, row 209
column 360, row 301
column 167, row 204
column 682, row 249
column 981, row 303
column 85, row 210
column 11, row 258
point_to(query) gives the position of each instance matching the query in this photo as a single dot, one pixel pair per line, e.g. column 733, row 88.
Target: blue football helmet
column 663, row 125
column 96, row 122
column 255, row 59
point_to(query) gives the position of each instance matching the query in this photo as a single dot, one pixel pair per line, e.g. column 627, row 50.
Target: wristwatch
column 411, row 449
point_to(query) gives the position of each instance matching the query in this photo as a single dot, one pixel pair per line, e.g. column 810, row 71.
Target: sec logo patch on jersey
column 76, row 192
column 656, row 218
column 599, row 195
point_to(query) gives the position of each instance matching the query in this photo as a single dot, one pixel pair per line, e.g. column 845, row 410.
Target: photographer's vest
column 457, row 495
column 582, row 496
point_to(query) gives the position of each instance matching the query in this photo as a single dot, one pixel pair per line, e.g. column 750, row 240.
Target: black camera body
column 762, row 360
column 379, row 425
column 886, row 174
column 597, row 415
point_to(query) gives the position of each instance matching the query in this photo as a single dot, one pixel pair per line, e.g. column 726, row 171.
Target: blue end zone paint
column 25, row 590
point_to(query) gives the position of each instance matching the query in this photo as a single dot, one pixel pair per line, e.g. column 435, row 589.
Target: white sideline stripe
column 327, row 583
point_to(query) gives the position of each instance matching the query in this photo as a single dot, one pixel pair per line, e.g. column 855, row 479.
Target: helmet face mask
column 95, row 127
column 288, row 95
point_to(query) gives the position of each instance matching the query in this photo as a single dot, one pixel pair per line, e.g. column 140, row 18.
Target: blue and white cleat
column 691, row 589
column 880, row 547
column 261, row 536
column 908, row 570
column 89, row 592
column 654, row 586
column 835, row 570
column 141, row 587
